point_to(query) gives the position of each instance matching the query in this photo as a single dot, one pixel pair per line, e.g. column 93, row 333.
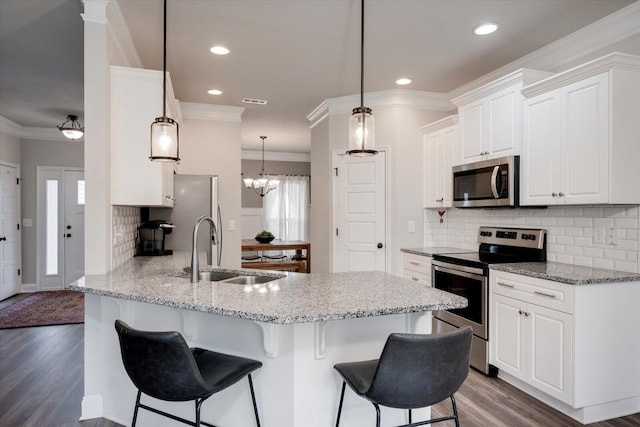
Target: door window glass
column 52, row 227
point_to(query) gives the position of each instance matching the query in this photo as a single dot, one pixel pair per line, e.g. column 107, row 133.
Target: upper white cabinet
column 580, row 135
column 439, row 143
column 136, row 100
column 489, row 123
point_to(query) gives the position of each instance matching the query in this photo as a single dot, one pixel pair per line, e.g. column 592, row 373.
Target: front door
column 359, row 240
column 9, row 231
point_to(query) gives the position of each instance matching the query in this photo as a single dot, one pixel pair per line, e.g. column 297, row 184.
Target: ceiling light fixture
column 214, row 92
column 72, row 130
column 361, row 130
column 404, row 81
column 263, row 184
column 484, row 29
column 219, row 50
column 165, row 139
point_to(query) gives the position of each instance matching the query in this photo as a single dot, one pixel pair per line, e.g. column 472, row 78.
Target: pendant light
column 164, row 130
column 71, row 128
column 361, row 129
column 263, row 184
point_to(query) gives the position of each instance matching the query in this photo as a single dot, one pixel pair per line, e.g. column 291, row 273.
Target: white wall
column 9, row 142
column 570, row 232
column 320, row 211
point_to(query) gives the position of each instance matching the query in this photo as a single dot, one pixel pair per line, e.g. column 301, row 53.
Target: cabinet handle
column 520, row 312
column 554, row 194
column 414, row 263
column 526, row 314
column 415, row 279
column 544, row 294
column 506, row 285
column 561, row 194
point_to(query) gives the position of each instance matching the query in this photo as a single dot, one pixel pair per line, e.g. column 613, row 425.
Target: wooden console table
column 250, row 245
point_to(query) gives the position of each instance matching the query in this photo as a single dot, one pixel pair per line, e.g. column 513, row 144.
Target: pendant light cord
column 362, row 55
column 164, row 63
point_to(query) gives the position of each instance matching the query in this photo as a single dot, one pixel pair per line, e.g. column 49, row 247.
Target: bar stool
column 161, row 365
column 414, row 371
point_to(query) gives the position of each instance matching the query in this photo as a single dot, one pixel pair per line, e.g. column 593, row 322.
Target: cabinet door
column 585, row 141
column 507, row 335
column 540, row 160
column 549, row 348
column 431, row 163
column 472, row 134
column 448, row 143
column 504, row 117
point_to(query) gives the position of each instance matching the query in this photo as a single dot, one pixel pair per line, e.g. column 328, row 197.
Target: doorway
column 60, row 235
column 360, row 211
column 10, row 238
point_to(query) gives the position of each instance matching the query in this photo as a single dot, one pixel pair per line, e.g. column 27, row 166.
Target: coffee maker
column 151, row 237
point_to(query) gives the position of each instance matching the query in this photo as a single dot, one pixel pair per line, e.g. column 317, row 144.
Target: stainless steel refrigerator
column 195, row 195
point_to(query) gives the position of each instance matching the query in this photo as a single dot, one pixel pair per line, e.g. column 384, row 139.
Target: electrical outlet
column 611, row 236
column 411, row 226
column 598, row 235
column 232, row 225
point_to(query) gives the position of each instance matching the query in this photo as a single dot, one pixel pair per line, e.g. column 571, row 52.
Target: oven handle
column 470, row 272
column 494, row 182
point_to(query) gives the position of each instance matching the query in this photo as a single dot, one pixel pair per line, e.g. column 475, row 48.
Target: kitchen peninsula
column 298, row 325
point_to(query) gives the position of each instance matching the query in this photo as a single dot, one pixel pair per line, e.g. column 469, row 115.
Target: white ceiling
column 293, row 53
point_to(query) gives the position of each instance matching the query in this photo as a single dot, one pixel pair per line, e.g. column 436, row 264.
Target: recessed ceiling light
column 403, row 82
column 219, row 50
column 484, row 29
column 214, row 92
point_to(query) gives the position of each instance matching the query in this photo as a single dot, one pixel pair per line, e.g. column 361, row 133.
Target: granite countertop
column 292, row 298
column 436, row 250
column 567, row 273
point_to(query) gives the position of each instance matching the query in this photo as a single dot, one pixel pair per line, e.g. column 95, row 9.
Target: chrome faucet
column 195, row 267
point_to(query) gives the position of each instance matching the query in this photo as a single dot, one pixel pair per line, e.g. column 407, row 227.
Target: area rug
column 44, row 308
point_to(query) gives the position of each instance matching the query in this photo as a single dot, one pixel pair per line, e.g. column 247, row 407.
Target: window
column 52, row 227
column 80, row 192
column 286, row 209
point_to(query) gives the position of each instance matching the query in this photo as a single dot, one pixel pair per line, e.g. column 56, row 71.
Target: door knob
column 3, row 238
column 68, row 235
column 68, row 227
column 379, row 245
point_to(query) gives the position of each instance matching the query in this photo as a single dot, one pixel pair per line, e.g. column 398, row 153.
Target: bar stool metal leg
column 135, row 411
column 340, row 405
column 455, row 410
column 377, row 414
column 253, row 399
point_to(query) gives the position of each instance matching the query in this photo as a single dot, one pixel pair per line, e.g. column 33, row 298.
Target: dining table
column 251, row 245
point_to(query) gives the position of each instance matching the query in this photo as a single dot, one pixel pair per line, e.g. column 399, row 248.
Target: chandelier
column 73, row 130
column 263, row 184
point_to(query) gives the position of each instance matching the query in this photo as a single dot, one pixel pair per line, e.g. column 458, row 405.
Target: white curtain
column 286, row 209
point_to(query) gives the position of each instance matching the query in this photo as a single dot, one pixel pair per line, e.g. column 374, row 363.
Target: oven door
column 468, row 282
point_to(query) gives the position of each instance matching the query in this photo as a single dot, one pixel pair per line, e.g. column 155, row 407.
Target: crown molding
column 10, row 127
column 613, row 61
column 221, row 113
column 95, row 11
column 46, row 134
column 275, row 156
column 319, row 113
column 523, row 76
column 558, row 55
column 440, row 124
column 121, row 36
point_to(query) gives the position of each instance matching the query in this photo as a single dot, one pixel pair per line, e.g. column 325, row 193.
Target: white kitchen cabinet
column 439, row 141
column 136, row 100
column 580, row 132
column 564, row 344
column 417, row 268
column 490, row 118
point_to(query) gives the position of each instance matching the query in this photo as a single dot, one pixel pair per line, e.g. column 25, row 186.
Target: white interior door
column 73, row 226
column 60, row 256
column 9, row 231
column 360, row 214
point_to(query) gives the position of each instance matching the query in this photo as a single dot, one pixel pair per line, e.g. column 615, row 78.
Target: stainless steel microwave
column 486, row 184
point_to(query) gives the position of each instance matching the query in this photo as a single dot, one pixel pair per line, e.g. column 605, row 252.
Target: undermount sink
column 250, row 280
column 216, row 276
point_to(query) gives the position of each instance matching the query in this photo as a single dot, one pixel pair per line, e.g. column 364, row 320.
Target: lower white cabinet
column 570, row 346
column 417, row 268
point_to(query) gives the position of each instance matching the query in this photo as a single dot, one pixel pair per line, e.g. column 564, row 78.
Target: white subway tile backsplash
column 570, row 232
column 125, row 222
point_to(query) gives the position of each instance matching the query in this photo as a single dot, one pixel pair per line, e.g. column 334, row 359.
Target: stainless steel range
column 467, row 274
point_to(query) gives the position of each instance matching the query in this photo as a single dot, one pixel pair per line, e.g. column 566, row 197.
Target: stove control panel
column 521, row 237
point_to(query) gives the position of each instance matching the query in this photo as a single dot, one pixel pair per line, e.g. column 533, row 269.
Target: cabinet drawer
column 545, row 293
column 418, row 263
column 417, row 276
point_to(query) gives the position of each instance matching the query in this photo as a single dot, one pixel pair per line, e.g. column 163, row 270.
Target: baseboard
column 92, row 407
column 29, row 287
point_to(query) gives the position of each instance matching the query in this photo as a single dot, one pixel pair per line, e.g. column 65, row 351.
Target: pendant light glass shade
column 71, row 128
column 361, row 124
column 263, row 184
column 164, row 130
column 361, row 133
column 164, row 140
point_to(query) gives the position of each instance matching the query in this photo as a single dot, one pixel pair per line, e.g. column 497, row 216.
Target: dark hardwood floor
column 41, row 384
